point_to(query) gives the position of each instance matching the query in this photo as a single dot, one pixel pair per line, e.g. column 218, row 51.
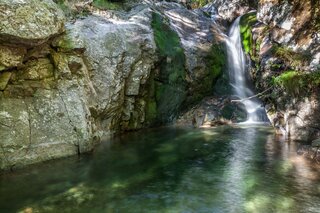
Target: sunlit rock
column 29, row 22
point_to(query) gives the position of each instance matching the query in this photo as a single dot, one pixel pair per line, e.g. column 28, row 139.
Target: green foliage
column 246, row 23
column 297, row 82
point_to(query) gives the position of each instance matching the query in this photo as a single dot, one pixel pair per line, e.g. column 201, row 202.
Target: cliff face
column 285, row 53
column 281, row 41
column 66, row 85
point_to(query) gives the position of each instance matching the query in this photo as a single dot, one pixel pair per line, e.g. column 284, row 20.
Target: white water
column 238, row 76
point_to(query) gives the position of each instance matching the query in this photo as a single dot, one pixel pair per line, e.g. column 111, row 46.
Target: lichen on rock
column 29, row 22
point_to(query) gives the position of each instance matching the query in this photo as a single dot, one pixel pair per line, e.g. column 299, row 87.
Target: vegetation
column 167, row 90
column 290, row 57
column 216, row 61
column 297, row 82
column 246, row 23
column 198, row 3
column 108, row 4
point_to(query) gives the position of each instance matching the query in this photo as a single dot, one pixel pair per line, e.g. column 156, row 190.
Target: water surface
column 225, row 169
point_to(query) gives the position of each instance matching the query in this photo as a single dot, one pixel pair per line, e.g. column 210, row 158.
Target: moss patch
column 216, row 61
column 168, row 86
column 107, row 5
column 297, row 82
column 246, row 23
column 215, row 64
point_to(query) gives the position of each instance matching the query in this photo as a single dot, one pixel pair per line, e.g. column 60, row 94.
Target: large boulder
column 29, row 22
column 119, row 58
column 71, row 92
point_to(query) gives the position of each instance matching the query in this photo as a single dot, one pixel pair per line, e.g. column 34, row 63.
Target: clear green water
column 227, row 169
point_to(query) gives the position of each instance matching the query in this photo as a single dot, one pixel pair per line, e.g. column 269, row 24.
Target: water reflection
column 226, row 169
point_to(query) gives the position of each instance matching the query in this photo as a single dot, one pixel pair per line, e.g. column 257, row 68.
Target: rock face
column 230, row 10
column 285, row 50
column 61, row 93
column 29, row 22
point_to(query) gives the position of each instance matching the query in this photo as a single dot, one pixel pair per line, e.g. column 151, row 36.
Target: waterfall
column 238, row 75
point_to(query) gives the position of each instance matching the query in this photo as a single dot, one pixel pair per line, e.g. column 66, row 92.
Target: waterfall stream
column 237, row 68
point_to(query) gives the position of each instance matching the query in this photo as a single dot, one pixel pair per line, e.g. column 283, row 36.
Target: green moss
column 167, row 87
column 216, row 60
column 62, row 4
column 107, row 5
column 151, row 110
column 297, row 82
column 215, row 63
column 246, row 23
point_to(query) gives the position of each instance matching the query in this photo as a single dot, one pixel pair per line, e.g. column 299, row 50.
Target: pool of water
column 225, row 169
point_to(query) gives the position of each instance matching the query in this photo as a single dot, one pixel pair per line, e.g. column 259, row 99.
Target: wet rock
column 49, row 125
column 213, row 111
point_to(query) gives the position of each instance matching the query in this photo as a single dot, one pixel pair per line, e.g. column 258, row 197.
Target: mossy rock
column 68, row 43
column 234, row 112
column 296, row 83
column 4, row 79
column 216, row 62
column 167, row 88
column 108, row 5
column 246, row 24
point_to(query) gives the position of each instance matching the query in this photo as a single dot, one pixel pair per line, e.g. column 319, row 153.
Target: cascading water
column 238, row 76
